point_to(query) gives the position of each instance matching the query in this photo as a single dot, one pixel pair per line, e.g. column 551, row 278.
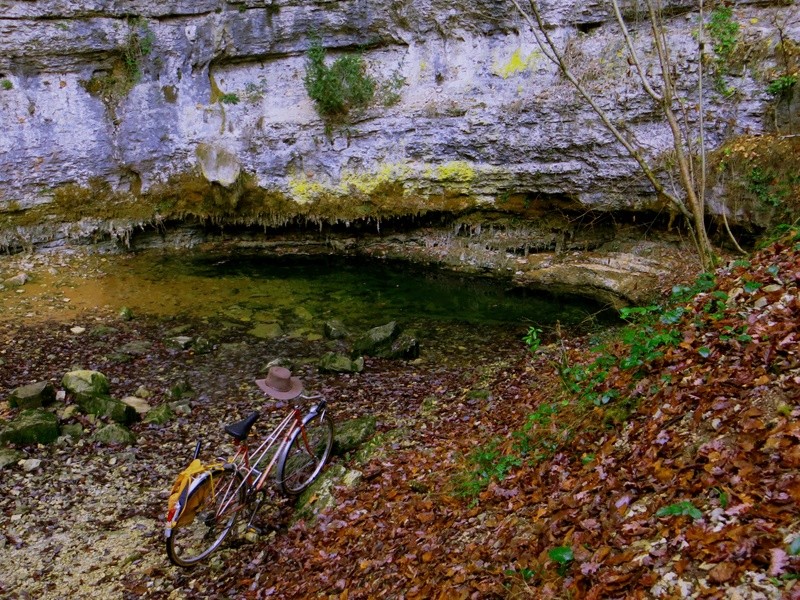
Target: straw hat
column 280, row 384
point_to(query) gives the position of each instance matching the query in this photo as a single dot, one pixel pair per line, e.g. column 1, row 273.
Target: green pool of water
column 360, row 293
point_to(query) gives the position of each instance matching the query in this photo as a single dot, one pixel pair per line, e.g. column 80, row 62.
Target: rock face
column 199, row 109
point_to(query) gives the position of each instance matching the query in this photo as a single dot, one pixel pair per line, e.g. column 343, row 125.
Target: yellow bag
column 191, row 488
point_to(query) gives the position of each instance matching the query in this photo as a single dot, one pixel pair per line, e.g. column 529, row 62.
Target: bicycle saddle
column 240, row 429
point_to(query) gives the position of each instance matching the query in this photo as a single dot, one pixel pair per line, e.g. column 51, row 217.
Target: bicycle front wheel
column 215, row 517
column 305, row 454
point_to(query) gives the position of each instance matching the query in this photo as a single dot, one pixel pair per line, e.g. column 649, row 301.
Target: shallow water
column 357, row 292
column 297, row 293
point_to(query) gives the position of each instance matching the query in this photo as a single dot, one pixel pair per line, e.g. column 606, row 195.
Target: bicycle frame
column 253, row 478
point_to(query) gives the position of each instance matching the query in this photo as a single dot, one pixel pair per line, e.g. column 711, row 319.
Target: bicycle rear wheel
column 305, row 454
column 215, row 517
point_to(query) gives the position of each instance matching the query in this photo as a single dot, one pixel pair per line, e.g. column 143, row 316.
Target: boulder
column 333, row 362
column 106, row 406
column 376, row 340
column 281, row 361
column 353, row 433
column 31, row 426
column 114, row 434
column 33, row 395
column 85, row 383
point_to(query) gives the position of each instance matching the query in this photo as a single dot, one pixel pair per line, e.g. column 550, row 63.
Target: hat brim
column 295, row 387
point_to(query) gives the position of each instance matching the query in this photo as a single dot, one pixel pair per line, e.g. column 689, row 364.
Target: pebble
column 30, row 464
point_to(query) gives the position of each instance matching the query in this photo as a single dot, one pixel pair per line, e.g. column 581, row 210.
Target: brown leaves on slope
column 694, row 493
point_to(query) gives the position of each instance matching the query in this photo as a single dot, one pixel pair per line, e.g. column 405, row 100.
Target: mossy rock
column 9, row 457
column 406, row 346
column 136, row 348
column 353, row 433
column 31, row 426
column 73, row 430
column 376, row 340
column 379, row 445
column 266, row 331
column 180, row 342
column 320, row 496
column 85, row 383
column 33, row 395
column 114, row 433
column 335, row 330
column 160, row 415
column 106, row 406
column 333, row 362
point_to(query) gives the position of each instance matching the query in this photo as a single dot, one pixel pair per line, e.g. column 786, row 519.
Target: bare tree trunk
column 692, row 207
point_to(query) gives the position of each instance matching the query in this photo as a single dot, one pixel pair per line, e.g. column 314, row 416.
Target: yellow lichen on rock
column 517, row 63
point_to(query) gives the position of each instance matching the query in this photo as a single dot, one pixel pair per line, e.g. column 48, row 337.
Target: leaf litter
column 692, row 492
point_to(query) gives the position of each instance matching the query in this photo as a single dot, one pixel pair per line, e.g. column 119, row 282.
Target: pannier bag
column 191, row 488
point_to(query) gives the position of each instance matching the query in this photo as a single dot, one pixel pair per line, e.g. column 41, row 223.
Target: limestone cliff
column 125, row 112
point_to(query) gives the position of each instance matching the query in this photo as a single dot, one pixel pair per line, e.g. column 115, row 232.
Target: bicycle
column 298, row 447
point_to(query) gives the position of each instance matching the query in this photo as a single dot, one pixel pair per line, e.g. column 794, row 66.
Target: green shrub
column 229, row 99
column 782, row 85
column 339, row 88
column 6, row 84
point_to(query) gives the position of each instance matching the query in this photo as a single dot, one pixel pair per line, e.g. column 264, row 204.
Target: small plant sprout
column 532, row 339
column 563, row 557
column 684, row 508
